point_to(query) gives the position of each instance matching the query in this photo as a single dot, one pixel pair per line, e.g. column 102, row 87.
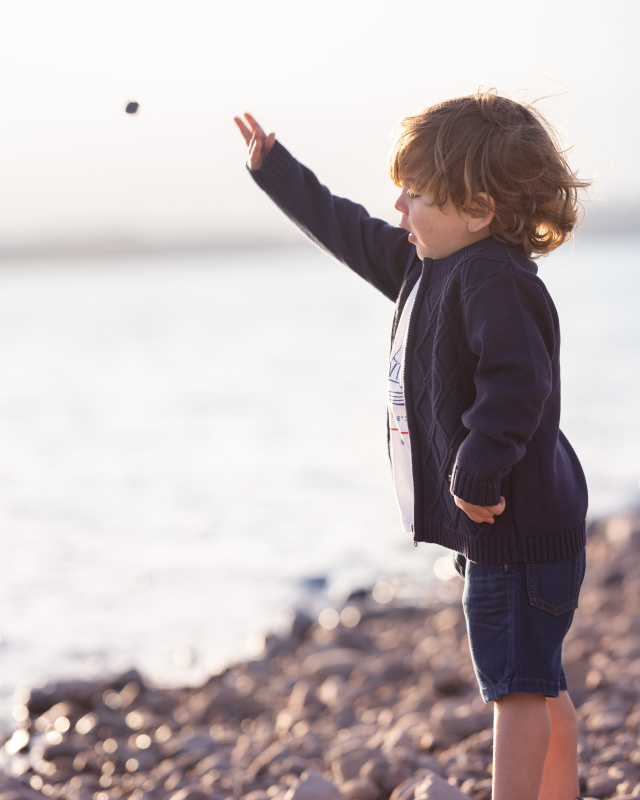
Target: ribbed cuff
column 471, row 490
column 274, row 170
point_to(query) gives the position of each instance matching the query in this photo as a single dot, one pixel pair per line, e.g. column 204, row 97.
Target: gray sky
column 331, row 79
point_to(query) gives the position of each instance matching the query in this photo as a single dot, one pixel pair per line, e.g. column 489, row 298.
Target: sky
column 332, row 80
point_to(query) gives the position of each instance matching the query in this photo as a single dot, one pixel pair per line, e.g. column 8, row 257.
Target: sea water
column 190, row 444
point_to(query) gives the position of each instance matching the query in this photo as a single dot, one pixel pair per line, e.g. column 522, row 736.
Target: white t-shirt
column 398, row 428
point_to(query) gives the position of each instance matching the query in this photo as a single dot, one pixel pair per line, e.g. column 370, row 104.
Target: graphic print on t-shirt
column 397, row 422
column 396, row 389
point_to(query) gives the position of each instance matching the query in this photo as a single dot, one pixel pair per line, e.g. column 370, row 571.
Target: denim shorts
column 517, row 617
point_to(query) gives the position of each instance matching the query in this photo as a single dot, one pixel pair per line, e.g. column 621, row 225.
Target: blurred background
column 171, row 472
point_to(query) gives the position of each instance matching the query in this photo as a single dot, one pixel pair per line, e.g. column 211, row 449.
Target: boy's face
column 436, row 231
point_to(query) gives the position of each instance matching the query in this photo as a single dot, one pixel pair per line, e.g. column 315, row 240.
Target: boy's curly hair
column 485, row 151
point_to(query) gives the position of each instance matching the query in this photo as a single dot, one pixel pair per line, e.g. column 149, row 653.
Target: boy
column 479, row 463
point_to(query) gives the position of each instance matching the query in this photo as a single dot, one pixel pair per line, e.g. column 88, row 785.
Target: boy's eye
column 412, row 195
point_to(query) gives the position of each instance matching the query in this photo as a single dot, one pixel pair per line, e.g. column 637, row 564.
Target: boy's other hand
column 259, row 145
column 481, row 513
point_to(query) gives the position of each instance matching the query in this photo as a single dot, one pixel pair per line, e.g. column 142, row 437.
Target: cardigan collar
column 441, row 266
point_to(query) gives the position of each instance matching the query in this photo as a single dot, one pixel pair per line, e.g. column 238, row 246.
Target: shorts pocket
column 554, row 587
column 460, row 564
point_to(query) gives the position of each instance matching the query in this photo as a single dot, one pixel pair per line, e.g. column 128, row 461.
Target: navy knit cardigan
column 481, row 377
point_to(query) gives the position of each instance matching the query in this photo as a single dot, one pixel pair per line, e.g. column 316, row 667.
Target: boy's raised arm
column 378, row 252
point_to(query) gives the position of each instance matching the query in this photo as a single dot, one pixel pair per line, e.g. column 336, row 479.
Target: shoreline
column 372, row 701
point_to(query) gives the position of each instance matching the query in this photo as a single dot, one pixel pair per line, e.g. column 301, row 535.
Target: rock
column 300, row 625
column 406, row 790
column 427, row 787
column 375, row 769
column 396, row 774
column 294, row 765
column 312, row 786
column 478, row 789
column 459, row 719
column 347, row 766
column 15, row 789
column 607, row 717
column 433, row 787
column 360, row 789
column 447, row 681
column 339, row 661
column 189, row 794
column 601, row 786
column 360, row 713
column 304, row 695
column 277, row 750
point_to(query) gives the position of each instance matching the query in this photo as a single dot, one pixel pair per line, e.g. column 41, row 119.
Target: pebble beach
column 374, row 699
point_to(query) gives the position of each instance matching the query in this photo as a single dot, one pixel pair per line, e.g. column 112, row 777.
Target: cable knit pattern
column 481, row 380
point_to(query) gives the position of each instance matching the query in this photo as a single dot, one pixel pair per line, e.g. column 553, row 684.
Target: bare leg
column 560, row 776
column 521, row 735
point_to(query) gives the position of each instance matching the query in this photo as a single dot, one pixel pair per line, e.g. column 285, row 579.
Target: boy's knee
column 520, row 699
column 564, row 720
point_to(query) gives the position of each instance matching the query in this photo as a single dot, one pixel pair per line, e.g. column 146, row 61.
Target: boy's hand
column 481, row 513
column 259, row 145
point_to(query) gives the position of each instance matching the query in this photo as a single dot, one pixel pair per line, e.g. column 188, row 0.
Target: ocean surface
column 192, row 444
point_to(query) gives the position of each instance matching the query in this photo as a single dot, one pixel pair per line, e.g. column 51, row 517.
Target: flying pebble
column 131, row 108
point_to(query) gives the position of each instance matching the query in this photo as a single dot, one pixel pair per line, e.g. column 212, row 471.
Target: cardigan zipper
column 423, row 281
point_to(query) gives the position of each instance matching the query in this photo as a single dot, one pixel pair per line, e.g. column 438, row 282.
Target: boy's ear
column 482, row 214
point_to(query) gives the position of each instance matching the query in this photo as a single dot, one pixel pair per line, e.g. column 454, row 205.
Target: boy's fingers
column 255, row 152
column 480, row 513
column 252, row 122
column 271, row 140
column 258, row 144
column 246, row 133
column 499, row 508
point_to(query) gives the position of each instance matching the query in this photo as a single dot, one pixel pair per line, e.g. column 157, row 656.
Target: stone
column 347, row 766
column 433, row 787
column 396, row 774
column 459, row 719
column 312, row 786
column 360, row 789
column 358, row 714
column 304, row 695
column 427, row 786
column 339, row 661
column 375, row 769
column 189, row 793
column 601, row 786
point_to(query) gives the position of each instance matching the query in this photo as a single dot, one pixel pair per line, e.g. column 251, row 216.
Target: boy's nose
column 400, row 205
